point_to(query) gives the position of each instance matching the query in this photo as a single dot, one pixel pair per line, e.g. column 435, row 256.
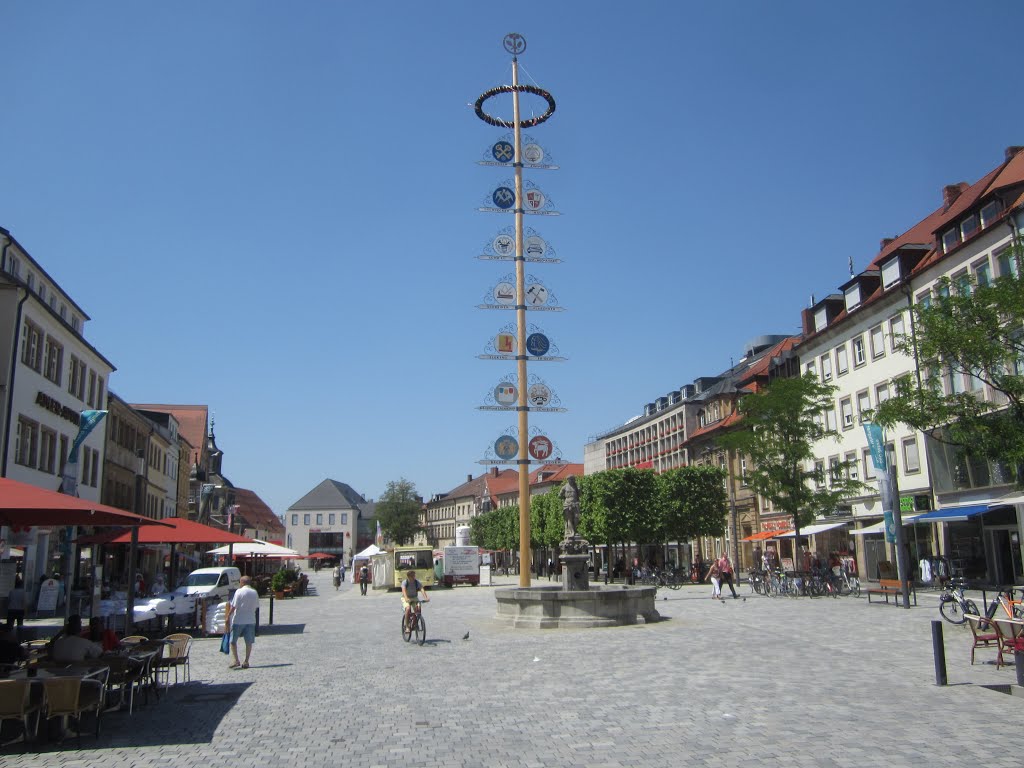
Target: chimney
column 494, row 471
column 1011, row 152
column 951, row 192
column 886, row 242
column 469, row 478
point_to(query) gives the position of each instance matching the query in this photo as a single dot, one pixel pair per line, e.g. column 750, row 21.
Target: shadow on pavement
column 282, row 629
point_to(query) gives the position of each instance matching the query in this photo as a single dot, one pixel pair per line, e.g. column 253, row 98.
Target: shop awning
column 954, row 514
column 24, row 505
column 880, row 527
column 763, row 535
column 810, row 530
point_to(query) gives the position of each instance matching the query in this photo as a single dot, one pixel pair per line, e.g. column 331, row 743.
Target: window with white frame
column 835, row 470
column 859, row 358
column 1007, row 262
column 911, row 458
column 826, row 367
column 962, row 283
column 954, row 382
column 877, row 342
column 982, row 273
column 830, row 419
column 882, row 393
column 896, row 330
column 76, row 378
column 950, row 239
column 869, row 465
column 743, row 471
column 54, row 360
column 32, row 346
column 47, row 449
column 990, row 212
column 846, row 409
column 863, row 405
column 295, row 518
column 811, row 368
column 344, row 518
column 91, row 399
column 63, row 312
column 76, row 324
column 305, row 519
column 13, row 265
column 942, row 290
column 850, row 459
column 319, row 518
column 924, row 299
column 842, row 360
column 330, row 518
column 969, row 226
column 42, row 291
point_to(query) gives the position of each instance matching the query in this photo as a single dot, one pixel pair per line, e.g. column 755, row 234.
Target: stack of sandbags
column 216, row 618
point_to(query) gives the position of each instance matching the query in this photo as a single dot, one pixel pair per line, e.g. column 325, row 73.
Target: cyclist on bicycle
column 411, row 589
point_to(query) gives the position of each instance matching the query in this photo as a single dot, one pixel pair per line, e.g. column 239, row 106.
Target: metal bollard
column 271, row 622
column 939, row 652
column 1018, row 665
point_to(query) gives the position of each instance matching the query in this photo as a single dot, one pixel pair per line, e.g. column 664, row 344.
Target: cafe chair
column 984, row 638
column 19, row 699
column 71, row 697
column 134, row 639
column 175, row 655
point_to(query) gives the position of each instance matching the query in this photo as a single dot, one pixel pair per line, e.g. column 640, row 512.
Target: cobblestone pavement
column 758, row 681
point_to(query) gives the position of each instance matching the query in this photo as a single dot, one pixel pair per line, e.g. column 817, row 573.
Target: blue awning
column 953, row 514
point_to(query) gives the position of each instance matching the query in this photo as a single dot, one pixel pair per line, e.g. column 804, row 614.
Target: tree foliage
column 973, row 334
column 693, row 501
column 621, row 505
column 779, row 429
column 398, row 511
column 547, row 524
column 497, row 529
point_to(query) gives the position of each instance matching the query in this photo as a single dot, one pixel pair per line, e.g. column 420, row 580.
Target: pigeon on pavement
column 466, row 636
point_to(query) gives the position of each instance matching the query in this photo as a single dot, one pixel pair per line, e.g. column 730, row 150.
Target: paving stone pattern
column 750, row 682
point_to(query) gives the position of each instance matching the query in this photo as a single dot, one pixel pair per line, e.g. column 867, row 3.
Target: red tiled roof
column 560, row 473
column 256, row 512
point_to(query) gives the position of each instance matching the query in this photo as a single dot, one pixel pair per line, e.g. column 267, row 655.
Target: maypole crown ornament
column 514, row 43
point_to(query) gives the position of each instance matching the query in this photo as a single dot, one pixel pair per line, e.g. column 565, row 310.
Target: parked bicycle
column 953, row 605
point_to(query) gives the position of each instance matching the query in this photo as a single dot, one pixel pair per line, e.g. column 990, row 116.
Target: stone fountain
column 574, row 603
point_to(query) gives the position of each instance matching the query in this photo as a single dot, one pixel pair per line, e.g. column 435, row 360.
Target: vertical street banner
column 87, row 421
column 876, row 442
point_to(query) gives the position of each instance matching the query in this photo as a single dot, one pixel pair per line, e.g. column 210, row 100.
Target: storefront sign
column 48, row 592
column 54, row 406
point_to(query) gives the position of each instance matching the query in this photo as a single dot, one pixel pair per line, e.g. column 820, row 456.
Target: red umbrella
column 320, row 556
column 23, row 505
column 175, row 530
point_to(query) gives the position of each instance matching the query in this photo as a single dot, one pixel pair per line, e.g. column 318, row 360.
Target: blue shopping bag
column 225, row 644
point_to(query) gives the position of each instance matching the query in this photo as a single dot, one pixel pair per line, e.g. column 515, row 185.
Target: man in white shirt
column 241, row 620
column 71, row 646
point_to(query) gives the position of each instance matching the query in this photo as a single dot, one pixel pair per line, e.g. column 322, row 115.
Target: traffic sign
column 537, row 344
column 506, row 447
column 540, row 447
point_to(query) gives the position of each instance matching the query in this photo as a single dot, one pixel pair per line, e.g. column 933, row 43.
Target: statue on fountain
column 573, row 543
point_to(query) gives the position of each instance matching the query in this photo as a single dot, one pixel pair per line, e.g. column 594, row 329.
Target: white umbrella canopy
column 254, row 548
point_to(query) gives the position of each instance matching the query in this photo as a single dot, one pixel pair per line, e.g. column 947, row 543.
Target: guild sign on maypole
column 520, row 342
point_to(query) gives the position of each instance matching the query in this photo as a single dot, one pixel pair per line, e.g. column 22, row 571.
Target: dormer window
column 820, row 319
column 969, row 226
column 990, row 212
column 891, row 273
column 950, row 239
column 852, row 295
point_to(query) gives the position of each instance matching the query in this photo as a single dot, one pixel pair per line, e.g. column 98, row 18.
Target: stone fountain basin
column 599, row 606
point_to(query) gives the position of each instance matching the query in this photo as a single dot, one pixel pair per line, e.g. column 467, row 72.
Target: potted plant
column 278, row 582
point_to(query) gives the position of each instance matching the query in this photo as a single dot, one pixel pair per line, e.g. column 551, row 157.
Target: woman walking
column 714, row 576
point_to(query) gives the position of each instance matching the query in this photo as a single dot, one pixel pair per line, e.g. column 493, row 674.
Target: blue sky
column 269, row 207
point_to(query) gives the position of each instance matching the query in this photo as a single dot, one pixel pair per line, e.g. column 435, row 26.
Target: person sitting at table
column 11, row 651
column 107, row 638
column 69, row 645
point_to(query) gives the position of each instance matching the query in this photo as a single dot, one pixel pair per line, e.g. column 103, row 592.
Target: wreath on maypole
column 533, row 121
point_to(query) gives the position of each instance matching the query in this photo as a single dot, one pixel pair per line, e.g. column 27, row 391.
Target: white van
column 209, row 583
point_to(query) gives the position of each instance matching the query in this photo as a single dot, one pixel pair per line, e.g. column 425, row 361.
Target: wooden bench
column 892, row 587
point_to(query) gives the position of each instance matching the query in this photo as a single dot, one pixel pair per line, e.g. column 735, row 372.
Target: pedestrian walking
column 241, row 620
column 725, row 573
column 716, row 584
column 364, row 578
column 337, row 577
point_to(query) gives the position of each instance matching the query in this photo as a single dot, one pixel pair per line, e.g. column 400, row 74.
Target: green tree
column 621, row 506
column 546, row 521
column 973, row 334
column 778, row 431
column 398, row 511
column 694, row 502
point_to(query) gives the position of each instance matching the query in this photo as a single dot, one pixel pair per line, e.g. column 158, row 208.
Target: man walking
column 725, row 566
column 241, row 619
column 364, row 578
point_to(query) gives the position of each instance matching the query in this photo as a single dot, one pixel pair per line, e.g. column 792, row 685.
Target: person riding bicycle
column 411, row 589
